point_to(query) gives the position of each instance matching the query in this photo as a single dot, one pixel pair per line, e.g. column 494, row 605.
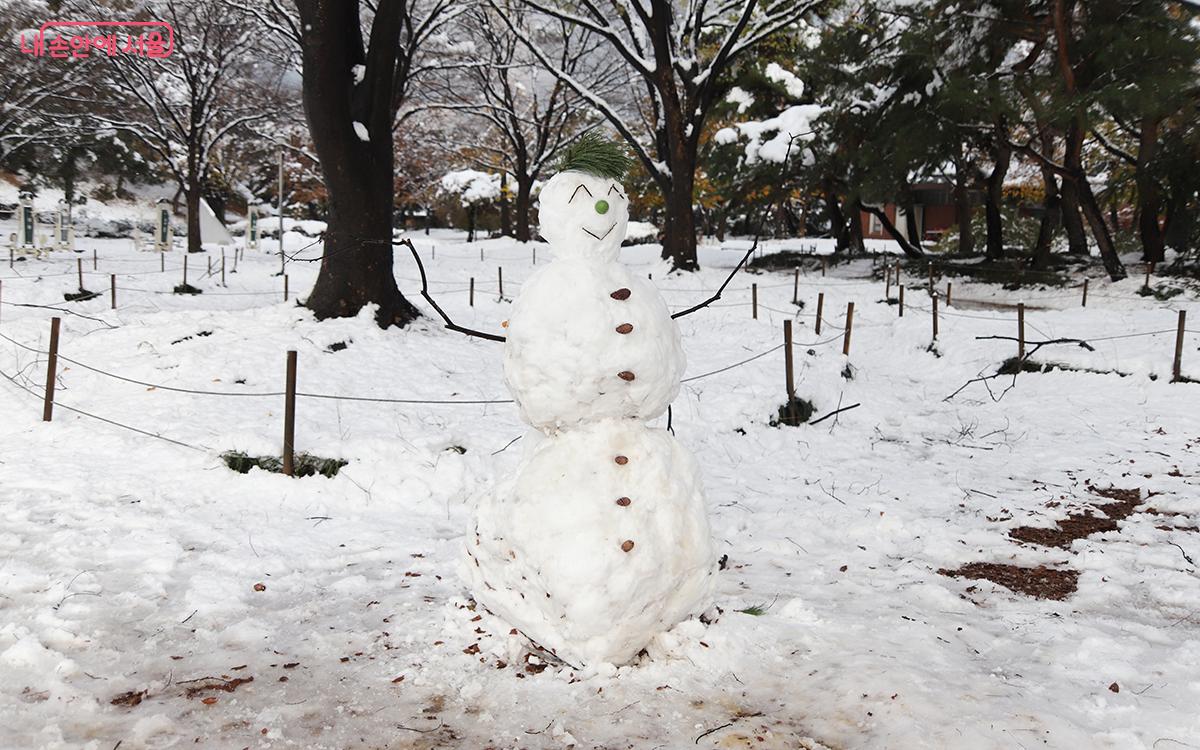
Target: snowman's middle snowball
column 578, row 351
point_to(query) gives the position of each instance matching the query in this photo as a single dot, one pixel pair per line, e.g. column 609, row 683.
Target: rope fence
column 455, row 287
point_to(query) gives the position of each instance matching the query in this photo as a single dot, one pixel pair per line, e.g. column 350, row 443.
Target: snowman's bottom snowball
column 591, row 557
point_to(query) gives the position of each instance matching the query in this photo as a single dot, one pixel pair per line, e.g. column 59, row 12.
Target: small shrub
column 306, row 465
column 793, row 413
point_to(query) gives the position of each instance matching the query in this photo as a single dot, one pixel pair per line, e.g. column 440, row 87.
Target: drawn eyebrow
column 614, row 187
column 577, row 189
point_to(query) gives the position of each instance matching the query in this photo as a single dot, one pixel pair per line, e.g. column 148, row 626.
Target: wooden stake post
column 1021, row 330
column 820, row 312
column 471, row 294
column 289, row 416
column 79, row 267
column 754, row 301
column 796, row 286
column 887, row 289
column 935, row 316
column 949, row 291
column 1085, row 287
column 112, row 281
column 500, row 279
column 901, row 305
column 51, row 368
column 789, row 369
column 849, row 328
column 1177, row 367
column 285, row 287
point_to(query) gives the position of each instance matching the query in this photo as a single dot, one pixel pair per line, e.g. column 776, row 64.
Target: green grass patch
column 306, row 465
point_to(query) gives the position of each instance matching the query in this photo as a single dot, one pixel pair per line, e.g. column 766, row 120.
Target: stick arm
column 728, row 279
column 425, row 293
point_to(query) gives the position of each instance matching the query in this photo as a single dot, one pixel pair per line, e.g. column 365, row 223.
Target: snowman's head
column 583, row 210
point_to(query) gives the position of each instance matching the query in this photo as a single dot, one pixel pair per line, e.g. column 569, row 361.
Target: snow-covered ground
column 151, row 597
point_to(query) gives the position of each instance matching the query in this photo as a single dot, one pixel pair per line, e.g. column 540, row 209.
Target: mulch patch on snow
column 1040, row 582
column 1081, row 525
column 1055, row 583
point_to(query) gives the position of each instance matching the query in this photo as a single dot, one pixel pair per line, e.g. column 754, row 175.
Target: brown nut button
column 627, row 545
column 621, row 294
column 625, row 375
column 621, row 460
column 623, row 502
column 625, row 328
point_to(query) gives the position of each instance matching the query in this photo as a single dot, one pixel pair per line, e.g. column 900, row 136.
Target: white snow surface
column 786, row 78
column 361, row 131
column 741, row 97
column 776, row 138
column 471, row 185
column 547, row 551
column 129, row 564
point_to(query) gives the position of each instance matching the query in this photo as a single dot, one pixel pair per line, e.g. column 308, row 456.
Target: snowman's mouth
column 601, row 236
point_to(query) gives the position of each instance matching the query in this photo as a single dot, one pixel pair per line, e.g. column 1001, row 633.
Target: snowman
column 601, row 541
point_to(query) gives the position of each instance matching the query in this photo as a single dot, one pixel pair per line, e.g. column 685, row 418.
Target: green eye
column 601, row 206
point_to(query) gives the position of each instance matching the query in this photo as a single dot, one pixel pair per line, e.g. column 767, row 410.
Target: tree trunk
column 962, row 207
column 1072, row 219
column 679, row 232
column 1051, row 217
column 472, row 213
column 1153, row 244
column 837, row 220
column 857, row 246
column 1178, row 229
column 194, row 196
column 995, row 196
column 910, row 228
column 505, row 212
column 910, row 250
column 523, row 202
column 356, row 266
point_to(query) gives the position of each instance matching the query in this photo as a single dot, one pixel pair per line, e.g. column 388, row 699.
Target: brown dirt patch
column 1081, row 525
column 1040, row 582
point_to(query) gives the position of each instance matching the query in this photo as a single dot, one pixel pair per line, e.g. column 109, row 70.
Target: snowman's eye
column 614, row 189
column 582, row 187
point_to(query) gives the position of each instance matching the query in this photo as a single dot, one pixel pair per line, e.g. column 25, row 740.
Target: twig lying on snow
column 1035, row 347
column 835, row 412
column 1182, row 552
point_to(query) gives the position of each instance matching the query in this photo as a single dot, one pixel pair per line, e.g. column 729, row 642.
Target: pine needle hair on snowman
column 583, row 210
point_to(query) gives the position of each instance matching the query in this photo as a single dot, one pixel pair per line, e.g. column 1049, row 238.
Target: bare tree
column 28, row 83
column 354, row 95
column 679, row 52
column 182, row 106
column 529, row 113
